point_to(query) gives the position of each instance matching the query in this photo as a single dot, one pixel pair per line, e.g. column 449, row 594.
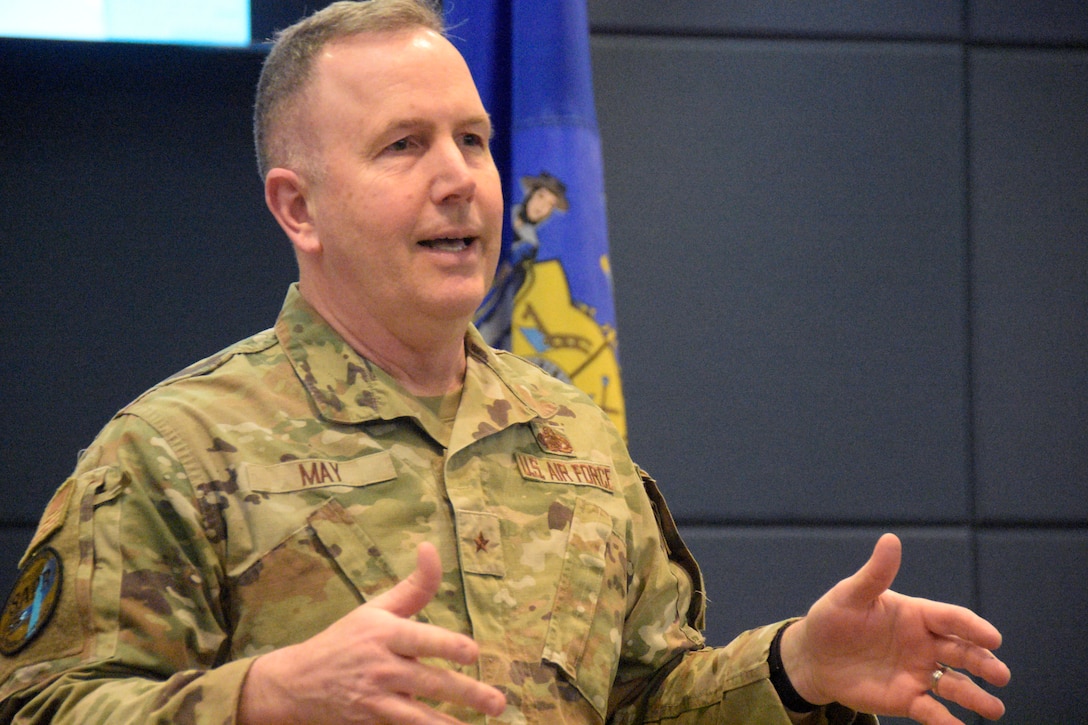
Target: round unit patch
column 31, row 602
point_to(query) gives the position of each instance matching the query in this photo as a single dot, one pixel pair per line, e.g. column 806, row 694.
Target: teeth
column 450, row 245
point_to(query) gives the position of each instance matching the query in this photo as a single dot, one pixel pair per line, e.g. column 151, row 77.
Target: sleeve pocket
column 67, row 632
column 583, row 635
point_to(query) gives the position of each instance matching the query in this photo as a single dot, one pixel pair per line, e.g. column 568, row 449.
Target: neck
column 426, row 358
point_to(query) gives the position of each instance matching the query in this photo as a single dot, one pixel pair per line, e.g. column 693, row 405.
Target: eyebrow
column 407, row 124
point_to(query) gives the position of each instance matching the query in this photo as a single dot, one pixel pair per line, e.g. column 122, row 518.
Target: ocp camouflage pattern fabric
column 258, row 496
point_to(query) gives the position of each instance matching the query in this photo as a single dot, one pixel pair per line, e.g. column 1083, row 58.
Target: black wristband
column 781, row 681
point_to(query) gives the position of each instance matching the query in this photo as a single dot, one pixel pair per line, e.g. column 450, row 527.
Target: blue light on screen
column 200, row 22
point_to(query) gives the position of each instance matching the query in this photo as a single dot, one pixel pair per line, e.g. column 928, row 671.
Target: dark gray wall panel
column 1042, row 21
column 929, row 18
column 787, row 242
column 1032, row 586
column 1029, row 163
column 136, row 239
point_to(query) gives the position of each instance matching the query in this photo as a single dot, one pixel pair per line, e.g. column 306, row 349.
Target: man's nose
column 453, row 177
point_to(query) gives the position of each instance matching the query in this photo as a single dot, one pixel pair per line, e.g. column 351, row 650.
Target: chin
column 459, row 310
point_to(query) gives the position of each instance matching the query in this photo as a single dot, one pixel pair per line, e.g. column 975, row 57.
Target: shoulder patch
column 55, row 513
column 31, row 602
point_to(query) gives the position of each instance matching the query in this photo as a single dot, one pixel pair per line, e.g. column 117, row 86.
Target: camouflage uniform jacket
column 256, row 497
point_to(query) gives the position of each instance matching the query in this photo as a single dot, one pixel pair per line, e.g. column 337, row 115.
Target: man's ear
column 286, row 195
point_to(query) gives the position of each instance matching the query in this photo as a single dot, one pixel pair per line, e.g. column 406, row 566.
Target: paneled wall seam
column 963, row 41
column 971, row 480
column 666, row 33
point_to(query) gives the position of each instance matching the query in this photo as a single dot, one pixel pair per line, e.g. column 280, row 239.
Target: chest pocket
column 358, row 557
column 587, row 619
column 306, row 562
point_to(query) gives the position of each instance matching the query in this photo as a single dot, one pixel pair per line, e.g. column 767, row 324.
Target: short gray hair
column 289, row 66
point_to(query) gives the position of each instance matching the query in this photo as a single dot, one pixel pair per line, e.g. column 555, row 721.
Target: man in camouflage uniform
column 365, row 514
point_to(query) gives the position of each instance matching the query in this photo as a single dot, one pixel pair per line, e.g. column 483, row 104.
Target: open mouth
column 449, row 244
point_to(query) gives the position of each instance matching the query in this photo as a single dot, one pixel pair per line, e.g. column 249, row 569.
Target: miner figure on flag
column 551, row 301
column 543, row 195
column 532, row 311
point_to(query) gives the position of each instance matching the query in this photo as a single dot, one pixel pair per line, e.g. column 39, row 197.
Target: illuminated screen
column 201, row 22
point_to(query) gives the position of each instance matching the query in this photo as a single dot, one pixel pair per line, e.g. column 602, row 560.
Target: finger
column 977, row 660
column 413, row 593
column 403, row 710
column 949, row 620
column 928, row 711
column 959, row 688
column 877, row 574
column 450, row 686
column 417, row 640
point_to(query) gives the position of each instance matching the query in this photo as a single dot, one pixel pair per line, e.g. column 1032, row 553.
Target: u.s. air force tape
column 31, row 602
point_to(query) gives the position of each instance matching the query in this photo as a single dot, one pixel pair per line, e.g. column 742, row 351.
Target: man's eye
column 474, row 139
column 400, row 145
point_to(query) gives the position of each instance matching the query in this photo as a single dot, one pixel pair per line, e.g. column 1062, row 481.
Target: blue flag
column 552, row 297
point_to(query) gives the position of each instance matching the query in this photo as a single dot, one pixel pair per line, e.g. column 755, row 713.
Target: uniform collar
column 347, row 388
